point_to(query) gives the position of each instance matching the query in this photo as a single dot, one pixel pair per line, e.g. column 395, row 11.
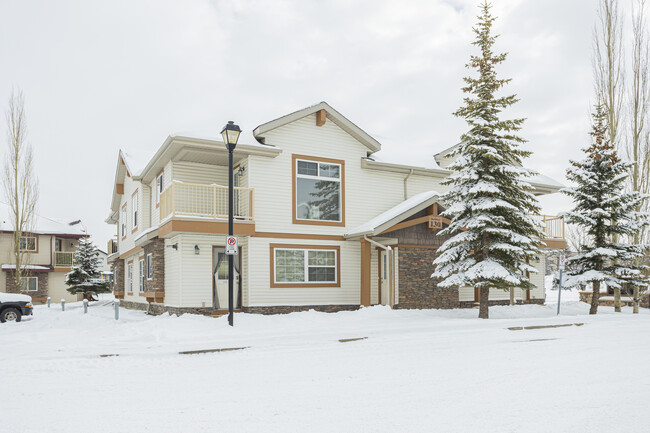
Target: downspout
column 405, row 181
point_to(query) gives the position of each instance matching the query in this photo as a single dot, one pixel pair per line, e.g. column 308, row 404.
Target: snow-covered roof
column 42, row 225
column 402, row 211
column 29, row 267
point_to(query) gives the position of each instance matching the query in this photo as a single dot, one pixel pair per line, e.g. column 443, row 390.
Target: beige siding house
column 322, row 223
column 49, row 249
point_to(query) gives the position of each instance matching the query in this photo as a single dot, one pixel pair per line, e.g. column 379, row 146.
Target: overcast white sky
column 103, row 75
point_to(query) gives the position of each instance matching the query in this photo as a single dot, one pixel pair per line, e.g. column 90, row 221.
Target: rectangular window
column 27, row 243
column 124, row 221
column 134, row 207
column 149, row 266
column 318, row 191
column 159, row 187
column 141, row 275
column 129, row 277
column 58, row 245
column 30, row 284
column 310, row 266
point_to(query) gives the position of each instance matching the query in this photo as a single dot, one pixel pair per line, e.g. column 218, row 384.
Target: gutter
column 377, row 244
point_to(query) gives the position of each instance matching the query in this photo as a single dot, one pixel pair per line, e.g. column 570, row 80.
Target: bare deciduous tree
column 608, row 64
column 638, row 145
column 19, row 182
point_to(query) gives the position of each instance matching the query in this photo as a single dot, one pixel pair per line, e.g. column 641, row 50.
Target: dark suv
column 14, row 306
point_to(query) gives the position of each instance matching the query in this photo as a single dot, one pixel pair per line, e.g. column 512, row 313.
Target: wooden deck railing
column 553, row 226
column 208, row 201
column 63, row 259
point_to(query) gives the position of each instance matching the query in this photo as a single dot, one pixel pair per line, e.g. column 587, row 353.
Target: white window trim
column 141, row 263
column 129, row 276
column 306, row 266
column 334, row 179
column 150, row 266
column 134, row 211
column 124, row 214
column 26, row 249
column 159, row 187
column 30, row 278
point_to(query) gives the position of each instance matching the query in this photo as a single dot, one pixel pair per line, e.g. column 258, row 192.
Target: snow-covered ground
column 417, row 371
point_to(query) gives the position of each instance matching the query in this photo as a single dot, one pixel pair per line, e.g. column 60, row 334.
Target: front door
column 220, row 279
column 384, row 276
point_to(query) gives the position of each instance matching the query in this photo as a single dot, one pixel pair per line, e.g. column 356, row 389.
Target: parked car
column 14, row 306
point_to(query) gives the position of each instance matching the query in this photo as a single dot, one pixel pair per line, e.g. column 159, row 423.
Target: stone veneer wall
column 118, row 278
column 157, row 249
column 416, row 287
column 43, row 285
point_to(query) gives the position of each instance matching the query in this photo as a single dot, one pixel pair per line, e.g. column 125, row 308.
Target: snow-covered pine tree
column 605, row 211
column 84, row 275
column 490, row 204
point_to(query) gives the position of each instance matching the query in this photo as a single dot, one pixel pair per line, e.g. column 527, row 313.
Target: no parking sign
column 232, row 244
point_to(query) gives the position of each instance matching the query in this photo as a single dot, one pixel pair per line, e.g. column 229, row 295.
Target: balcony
column 205, row 201
column 553, row 226
column 63, row 260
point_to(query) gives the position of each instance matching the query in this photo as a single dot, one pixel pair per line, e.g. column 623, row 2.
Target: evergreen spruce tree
column 490, row 204
column 84, row 276
column 607, row 213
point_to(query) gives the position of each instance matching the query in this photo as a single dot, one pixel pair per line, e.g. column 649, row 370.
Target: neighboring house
column 105, row 269
column 49, row 249
column 322, row 223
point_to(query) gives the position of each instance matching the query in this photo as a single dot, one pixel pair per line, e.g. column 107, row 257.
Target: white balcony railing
column 209, row 201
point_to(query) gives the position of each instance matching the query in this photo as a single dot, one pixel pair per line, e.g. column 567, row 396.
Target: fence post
column 62, row 304
column 117, row 309
column 85, row 306
column 48, row 301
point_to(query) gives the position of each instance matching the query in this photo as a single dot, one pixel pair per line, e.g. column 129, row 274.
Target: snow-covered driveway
column 423, row 371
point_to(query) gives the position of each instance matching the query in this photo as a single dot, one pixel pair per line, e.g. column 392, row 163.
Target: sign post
column 559, row 290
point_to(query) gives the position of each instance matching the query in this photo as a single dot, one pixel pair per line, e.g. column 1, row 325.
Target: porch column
column 365, row 273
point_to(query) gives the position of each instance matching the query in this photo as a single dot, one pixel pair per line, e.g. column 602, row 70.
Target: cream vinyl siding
column 272, row 178
column 167, row 180
column 193, row 172
column 243, row 250
column 172, row 272
column 261, row 294
column 57, row 289
column 3, row 281
column 129, row 188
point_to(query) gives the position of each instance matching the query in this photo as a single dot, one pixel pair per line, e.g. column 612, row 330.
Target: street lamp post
column 230, row 134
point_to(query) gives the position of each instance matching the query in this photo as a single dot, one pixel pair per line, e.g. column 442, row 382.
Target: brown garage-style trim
column 336, row 248
column 128, row 253
column 295, row 157
column 214, row 227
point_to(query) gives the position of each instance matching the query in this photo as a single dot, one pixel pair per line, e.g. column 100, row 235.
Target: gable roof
column 333, row 115
column 395, row 214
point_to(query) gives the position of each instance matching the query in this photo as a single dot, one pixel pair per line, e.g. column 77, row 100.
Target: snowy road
column 417, row 371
